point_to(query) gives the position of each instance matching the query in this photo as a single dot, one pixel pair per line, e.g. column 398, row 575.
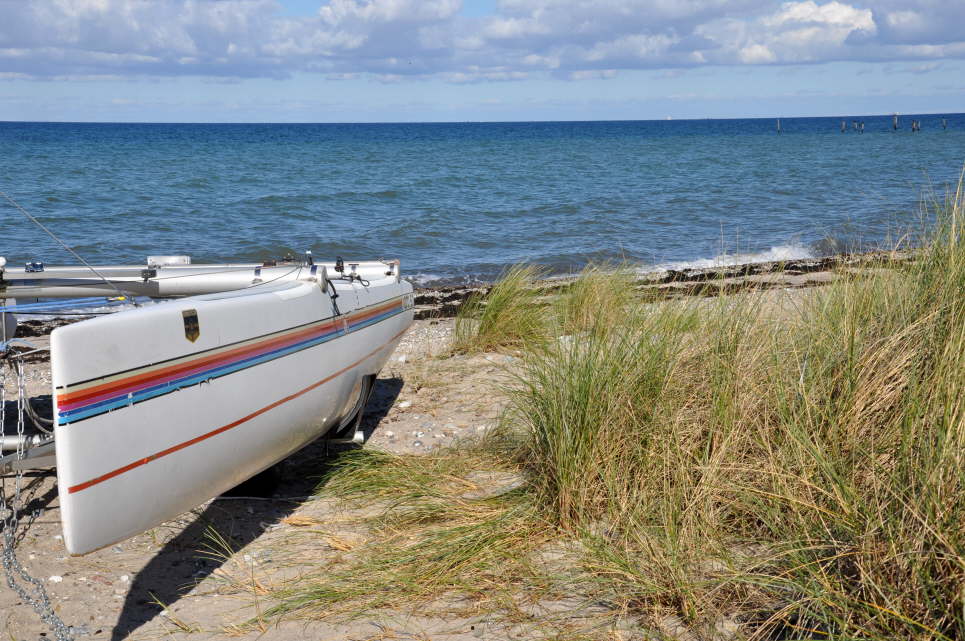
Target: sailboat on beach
column 163, row 406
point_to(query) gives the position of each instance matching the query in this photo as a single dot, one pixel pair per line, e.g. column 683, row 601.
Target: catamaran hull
column 161, row 408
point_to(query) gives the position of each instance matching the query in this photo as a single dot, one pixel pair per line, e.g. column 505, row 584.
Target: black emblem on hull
column 192, row 329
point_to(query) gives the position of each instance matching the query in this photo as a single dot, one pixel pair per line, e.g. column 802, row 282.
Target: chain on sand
column 28, row 588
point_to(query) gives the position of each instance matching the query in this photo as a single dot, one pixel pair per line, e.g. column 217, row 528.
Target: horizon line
column 457, row 122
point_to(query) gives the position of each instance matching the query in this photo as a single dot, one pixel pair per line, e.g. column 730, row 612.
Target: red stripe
column 173, row 372
column 223, row 428
column 70, row 400
column 106, row 390
column 375, row 312
column 151, row 378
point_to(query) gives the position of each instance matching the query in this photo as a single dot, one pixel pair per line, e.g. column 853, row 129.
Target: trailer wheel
column 353, row 422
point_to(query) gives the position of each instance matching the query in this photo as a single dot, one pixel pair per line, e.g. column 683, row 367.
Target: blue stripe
column 161, row 389
column 123, row 400
column 374, row 319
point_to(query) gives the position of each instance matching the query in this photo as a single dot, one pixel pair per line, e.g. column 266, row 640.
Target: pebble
column 405, row 405
column 419, row 434
column 125, row 578
column 417, row 444
column 55, row 579
column 401, row 358
column 390, row 434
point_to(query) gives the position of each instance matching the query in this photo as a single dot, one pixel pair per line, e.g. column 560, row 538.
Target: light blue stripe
column 124, row 400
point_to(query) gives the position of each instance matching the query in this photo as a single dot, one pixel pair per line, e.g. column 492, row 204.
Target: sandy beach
column 208, row 574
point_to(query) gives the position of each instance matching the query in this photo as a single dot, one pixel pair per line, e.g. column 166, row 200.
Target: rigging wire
column 42, row 423
column 64, row 245
column 240, row 268
column 296, row 268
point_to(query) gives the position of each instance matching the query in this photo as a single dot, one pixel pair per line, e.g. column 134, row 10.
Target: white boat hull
column 151, row 423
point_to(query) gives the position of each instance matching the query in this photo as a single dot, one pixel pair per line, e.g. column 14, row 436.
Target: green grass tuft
column 509, row 317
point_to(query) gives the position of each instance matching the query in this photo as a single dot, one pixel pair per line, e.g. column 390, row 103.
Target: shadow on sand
column 181, row 564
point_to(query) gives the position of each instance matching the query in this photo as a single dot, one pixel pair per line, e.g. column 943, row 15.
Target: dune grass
column 428, row 539
column 807, row 474
column 508, row 317
column 798, row 472
column 600, row 297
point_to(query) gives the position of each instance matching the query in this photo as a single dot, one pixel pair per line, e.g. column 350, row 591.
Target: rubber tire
column 350, row 426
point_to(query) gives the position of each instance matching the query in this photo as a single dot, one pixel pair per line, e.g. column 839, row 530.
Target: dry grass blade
column 298, row 520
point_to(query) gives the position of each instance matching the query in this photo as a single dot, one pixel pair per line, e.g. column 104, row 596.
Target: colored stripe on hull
column 224, row 428
column 92, row 398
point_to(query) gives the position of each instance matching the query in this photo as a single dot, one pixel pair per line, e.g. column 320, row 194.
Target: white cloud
column 919, row 22
column 595, row 74
column 394, row 39
column 756, row 54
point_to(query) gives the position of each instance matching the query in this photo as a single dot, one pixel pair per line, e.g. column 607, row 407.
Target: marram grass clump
column 805, row 477
column 510, row 316
column 600, row 298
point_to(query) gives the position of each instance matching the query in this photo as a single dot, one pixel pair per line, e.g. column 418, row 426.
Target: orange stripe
column 223, row 428
column 80, row 395
column 204, row 360
column 374, row 312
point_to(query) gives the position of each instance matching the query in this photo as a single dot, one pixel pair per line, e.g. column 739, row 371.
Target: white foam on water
column 80, row 312
column 776, row 253
column 421, row 279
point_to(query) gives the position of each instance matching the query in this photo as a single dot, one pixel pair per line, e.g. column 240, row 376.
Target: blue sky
column 446, row 60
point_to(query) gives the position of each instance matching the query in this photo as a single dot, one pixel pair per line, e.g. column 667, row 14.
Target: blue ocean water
column 460, row 201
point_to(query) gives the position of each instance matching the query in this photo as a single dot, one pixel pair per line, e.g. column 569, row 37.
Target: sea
column 460, row 202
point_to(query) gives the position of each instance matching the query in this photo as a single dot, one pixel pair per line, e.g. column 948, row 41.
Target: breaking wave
column 777, row 253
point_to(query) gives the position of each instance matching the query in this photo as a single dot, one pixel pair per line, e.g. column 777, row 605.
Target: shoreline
column 438, row 302
column 445, row 301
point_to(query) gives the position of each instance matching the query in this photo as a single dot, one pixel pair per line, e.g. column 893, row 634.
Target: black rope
column 333, row 296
